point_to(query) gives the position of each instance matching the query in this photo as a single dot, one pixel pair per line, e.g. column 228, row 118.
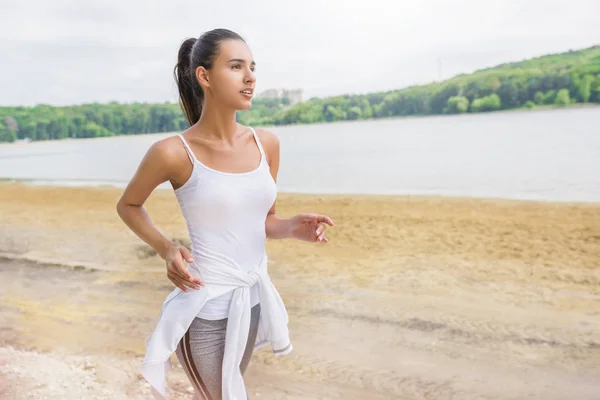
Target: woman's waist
column 222, row 276
column 226, row 246
column 218, row 268
column 242, row 261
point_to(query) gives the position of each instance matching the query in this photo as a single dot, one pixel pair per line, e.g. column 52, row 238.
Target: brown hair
column 194, row 53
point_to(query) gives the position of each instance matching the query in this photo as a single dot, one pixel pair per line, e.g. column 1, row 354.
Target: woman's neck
column 218, row 124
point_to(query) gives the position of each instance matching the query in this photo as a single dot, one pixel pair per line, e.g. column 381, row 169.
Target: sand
column 413, row 298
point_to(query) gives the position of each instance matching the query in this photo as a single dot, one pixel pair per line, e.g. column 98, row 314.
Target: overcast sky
column 74, row 51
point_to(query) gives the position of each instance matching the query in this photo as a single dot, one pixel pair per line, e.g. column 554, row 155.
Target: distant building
column 293, row 95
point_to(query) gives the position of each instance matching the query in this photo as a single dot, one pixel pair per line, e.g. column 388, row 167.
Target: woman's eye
column 237, row 66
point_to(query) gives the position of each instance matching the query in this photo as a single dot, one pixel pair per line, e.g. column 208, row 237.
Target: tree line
column 44, row 122
column 552, row 80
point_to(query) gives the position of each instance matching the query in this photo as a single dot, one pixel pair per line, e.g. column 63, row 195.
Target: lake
column 537, row 155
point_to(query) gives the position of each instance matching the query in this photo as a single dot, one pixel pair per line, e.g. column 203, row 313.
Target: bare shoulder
column 168, row 155
column 167, row 149
column 267, row 137
column 270, row 142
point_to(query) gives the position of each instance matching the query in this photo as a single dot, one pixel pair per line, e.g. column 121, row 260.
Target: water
column 546, row 155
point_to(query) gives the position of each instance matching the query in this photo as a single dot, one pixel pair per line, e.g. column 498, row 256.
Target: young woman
column 224, row 177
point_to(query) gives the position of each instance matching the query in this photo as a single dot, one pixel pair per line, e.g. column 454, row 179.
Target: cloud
column 69, row 51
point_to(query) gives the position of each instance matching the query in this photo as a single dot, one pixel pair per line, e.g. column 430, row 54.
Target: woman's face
column 230, row 81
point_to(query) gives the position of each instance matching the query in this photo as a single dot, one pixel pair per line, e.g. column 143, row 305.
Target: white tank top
column 225, row 214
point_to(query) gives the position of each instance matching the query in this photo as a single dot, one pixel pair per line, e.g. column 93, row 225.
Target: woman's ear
column 202, row 76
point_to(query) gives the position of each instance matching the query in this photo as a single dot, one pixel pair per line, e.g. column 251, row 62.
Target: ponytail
column 191, row 95
column 194, row 53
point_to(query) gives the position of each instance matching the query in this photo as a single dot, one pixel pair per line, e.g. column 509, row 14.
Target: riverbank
column 536, row 108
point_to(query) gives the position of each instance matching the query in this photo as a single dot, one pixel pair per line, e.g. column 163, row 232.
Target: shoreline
column 120, row 185
column 538, row 108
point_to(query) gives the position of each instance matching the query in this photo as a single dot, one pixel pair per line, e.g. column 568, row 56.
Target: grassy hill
column 554, row 79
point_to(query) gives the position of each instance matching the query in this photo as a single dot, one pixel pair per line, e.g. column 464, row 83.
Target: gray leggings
column 201, row 349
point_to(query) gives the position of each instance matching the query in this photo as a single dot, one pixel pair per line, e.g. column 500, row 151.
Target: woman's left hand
column 309, row 227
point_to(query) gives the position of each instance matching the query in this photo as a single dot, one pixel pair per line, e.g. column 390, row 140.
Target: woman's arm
column 152, row 171
column 157, row 166
column 276, row 227
column 307, row 227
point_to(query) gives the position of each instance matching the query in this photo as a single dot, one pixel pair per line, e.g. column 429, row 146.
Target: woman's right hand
column 176, row 270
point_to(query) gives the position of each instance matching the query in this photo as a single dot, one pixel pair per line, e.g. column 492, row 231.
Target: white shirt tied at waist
column 180, row 308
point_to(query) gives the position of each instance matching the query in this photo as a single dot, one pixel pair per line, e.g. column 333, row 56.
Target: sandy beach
column 413, row 298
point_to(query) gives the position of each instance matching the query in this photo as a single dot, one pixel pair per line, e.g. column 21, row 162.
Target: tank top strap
column 187, row 148
column 259, row 144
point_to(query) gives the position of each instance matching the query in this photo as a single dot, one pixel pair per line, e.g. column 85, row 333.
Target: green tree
column 365, row 108
column 539, row 98
column 550, row 97
column 456, row 105
column 28, row 130
column 333, row 113
column 595, row 90
column 7, row 135
column 562, row 98
column 487, row 103
column 584, row 88
column 41, row 130
column 354, row 113
column 11, row 124
column 508, row 94
column 440, row 99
